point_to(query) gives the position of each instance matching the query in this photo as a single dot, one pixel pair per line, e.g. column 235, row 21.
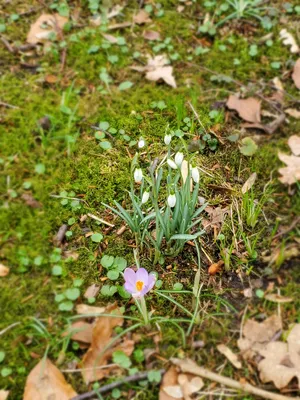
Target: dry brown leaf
column 292, row 112
column 170, row 379
column 30, row 201
column 248, row 109
column 156, row 69
column 91, row 291
column 81, row 331
column 151, row 35
column 3, row 270
column 290, row 173
column 256, row 335
column 217, row 215
column 189, row 385
column 276, row 298
column 110, row 38
column 4, row 394
column 46, row 382
column 86, row 309
column 142, row 17
column 249, row 183
column 289, row 40
column 100, row 350
column 213, row 269
column 233, row 358
column 281, row 361
column 294, row 143
column 52, row 23
column 296, row 73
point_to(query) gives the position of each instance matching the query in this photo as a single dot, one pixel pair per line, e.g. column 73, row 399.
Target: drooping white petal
column 141, row 143
column 171, row 200
column 171, row 163
column 167, row 139
column 145, row 197
column 195, row 174
column 138, row 175
column 179, row 158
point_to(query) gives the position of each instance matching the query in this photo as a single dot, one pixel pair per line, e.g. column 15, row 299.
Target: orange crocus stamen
column 139, row 285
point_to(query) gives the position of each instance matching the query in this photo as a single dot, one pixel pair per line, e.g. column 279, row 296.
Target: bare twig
column 287, row 230
column 100, row 220
column 106, row 388
column 9, row 327
column 8, row 105
column 189, row 366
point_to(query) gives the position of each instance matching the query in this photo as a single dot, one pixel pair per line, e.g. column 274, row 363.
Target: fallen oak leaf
column 92, row 291
column 80, row 331
column 294, row 143
column 268, row 128
column 4, row 270
column 248, row 109
column 46, row 382
column 296, row 73
column 170, row 379
column 151, row 35
column 290, row 173
column 292, row 112
column 189, row 386
column 228, row 353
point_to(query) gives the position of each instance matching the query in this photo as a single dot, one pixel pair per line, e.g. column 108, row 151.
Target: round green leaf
column 104, row 125
column 178, row 286
column 248, row 147
column 113, row 274
column 57, row 270
column 96, row 237
column 72, row 294
column 108, row 291
column 66, row 306
column 107, row 261
column 105, row 145
column 2, row 356
column 120, row 263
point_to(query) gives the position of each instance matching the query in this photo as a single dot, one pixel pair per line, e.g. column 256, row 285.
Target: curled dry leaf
column 276, row 298
column 86, row 309
column 296, row 73
column 151, row 35
column 292, row 112
column 289, row 40
column 81, row 331
column 294, row 143
column 248, row 109
column 110, row 38
column 91, row 291
column 142, row 17
column 4, row 394
column 46, row 25
column 249, row 183
column 179, row 386
column 46, row 382
column 233, row 358
column 3, row 270
column 216, row 267
column 281, row 361
column 256, row 335
column 157, row 69
column 102, row 346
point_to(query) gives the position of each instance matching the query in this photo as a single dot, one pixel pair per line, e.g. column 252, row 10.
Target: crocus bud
column 171, row 200
column 195, row 174
column 178, row 158
column 171, row 163
column 141, row 143
column 167, row 139
column 145, row 197
column 138, row 175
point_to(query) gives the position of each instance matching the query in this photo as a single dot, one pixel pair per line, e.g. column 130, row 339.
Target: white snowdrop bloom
column 179, row 158
column 171, row 163
column 171, row 200
column 138, row 175
column 145, row 197
column 167, row 139
column 195, row 174
column 141, row 143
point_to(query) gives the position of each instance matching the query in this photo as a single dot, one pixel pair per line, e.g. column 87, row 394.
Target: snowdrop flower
column 171, row 163
column 178, row 158
column 141, row 143
column 195, row 174
column 145, row 197
column 171, row 200
column 138, row 175
column 167, row 139
column 138, row 283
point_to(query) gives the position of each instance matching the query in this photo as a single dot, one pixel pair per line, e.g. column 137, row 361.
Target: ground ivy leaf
column 105, row 145
column 96, row 237
column 56, row 270
column 248, row 147
column 113, row 274
column 125, row 85
column 107, row 261
column 72, row 294
column 66, row 306
column 120, row 358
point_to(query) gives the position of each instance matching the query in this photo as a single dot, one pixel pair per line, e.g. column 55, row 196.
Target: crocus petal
column 151, row 281
column 142, row 275
column 130, row 276
column 129, row 288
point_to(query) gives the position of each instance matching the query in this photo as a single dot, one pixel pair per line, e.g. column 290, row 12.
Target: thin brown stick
column 189, row 366
column 8, row 105
column 107, row 388
column 290, row 228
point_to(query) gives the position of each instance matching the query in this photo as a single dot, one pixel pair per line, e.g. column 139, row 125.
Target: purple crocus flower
column 138, row 283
